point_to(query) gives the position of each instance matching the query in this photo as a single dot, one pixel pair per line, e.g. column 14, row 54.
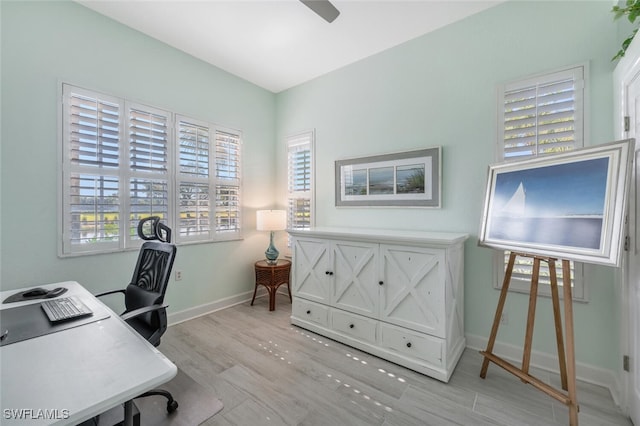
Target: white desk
column 75, row 374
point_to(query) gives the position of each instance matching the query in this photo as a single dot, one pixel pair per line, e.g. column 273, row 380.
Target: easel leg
column 555, row 300
column 571, row 360
column 533, row 297
column 567, row 363
column 496, row 319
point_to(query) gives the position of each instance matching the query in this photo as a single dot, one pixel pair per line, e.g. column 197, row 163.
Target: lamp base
column 272, row 252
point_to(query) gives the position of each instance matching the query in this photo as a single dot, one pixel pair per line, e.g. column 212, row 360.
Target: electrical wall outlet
column 178, row 275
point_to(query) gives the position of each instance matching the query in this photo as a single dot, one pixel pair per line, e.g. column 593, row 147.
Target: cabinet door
column 310, row 267
column 413, row 290
column 355, row 277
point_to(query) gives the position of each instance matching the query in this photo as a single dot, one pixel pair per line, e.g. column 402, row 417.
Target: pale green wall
column 44, row 43
column 435, row 90
column 440, row 89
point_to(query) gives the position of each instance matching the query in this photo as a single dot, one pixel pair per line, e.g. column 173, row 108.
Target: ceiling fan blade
column 324, row 8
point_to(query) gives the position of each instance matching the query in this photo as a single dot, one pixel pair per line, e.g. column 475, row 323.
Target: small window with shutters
column 194, row 180
column 541, row 115
column 148, row 171
column 300, row 180
column 123, row 161
column 92, row 182
column 227, row 182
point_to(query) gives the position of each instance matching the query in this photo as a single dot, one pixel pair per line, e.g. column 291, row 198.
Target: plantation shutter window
column 541, row 115
column 92, row 184
column 94, row 131
column 300, row 181
column 194, row 158
column 227, row 181
column 147, row 197
column 227, row 208
column 523, row 270
column 148, row 139
column 124, row 161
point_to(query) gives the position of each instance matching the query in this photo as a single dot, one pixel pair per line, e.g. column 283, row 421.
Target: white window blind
column 228, row 181
column 122, row 162
column 148, row 140
column 195, row 181
column 93, row 131
column 148, row 172
column 147, row 197
column 523, row 271
column 541, row 115
column 227, row 208
column 300, row 181
column 92, row 201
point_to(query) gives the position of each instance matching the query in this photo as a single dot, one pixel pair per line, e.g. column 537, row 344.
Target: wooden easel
column 567, row 361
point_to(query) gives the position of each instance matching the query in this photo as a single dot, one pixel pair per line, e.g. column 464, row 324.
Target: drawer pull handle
column 351, row 326
column 309, row 312
column 381, row 282
column 408, row 344
column 328, row 273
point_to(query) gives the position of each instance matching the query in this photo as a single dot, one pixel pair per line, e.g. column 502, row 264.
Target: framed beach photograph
column 403, row 179
column 569, row 206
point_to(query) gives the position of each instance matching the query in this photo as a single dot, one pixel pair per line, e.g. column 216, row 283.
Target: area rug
column 196, row 404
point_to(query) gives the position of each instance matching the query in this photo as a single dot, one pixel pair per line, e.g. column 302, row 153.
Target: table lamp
column 271, row 220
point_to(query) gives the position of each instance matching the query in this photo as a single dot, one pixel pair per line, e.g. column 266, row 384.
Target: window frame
column 581, row 74
column 125, row 173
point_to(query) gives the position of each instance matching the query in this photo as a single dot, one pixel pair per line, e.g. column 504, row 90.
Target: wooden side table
column 272, row 276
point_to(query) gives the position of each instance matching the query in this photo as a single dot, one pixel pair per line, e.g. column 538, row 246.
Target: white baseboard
column 549, row 362
column 198, row 311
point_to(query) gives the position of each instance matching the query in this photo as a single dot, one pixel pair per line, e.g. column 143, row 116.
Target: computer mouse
column 35, row 292
column 55, row 292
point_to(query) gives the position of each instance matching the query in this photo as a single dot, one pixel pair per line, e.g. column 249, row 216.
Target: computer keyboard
column 65, row 308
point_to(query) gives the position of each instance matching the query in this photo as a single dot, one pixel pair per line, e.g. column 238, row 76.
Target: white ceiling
column 278, row 44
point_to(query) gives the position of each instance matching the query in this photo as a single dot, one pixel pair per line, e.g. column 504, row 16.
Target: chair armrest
column 110, row 292
column 143, row 310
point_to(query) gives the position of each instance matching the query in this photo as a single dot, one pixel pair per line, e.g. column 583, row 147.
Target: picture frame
column 568, row 206
column 401, row 179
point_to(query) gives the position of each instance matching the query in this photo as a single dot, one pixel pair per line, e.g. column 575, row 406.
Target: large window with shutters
column 123, row 161
column 300, row 149
column 541, row 115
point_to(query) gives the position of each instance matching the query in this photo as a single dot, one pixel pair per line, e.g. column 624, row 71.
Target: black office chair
column 144, row 296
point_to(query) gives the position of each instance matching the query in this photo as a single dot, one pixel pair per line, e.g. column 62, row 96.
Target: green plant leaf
column 632, row 10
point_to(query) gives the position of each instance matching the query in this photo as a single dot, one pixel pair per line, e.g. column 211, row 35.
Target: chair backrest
column 151, row 274
column 151, row 278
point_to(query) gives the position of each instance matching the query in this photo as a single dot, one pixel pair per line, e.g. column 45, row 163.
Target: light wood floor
column 268, row 372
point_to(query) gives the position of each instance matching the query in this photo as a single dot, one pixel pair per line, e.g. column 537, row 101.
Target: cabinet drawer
column 355, row 326
column 309, row 311
column 412, row 344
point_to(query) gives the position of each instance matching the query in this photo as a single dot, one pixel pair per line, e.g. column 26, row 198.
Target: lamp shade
column 271, row 220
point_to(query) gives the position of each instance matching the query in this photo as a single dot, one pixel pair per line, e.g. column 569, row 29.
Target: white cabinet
column 395, row 294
